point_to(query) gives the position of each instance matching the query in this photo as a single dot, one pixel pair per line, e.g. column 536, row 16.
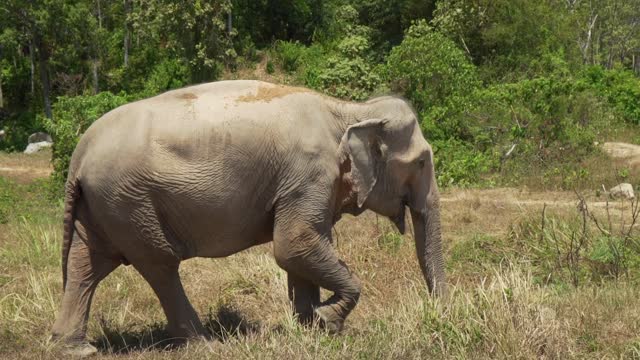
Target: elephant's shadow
column 225, row 323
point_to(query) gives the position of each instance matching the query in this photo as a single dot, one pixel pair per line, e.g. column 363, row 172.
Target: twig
column 544, row 217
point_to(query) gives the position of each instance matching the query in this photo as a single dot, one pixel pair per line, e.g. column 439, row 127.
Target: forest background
column 504, row 88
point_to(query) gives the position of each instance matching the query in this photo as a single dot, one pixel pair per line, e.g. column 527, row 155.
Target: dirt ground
column 24, row 168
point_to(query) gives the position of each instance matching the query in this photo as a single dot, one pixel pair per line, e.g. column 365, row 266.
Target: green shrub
column 620, row 87
column 578, row 248
column 71, row 117
column 18, row 126
column 542, row 124
column 432, row 72
column 270, row 68
column 347, row 78
column 168, row 74
column 348, row 72
column 288, row 55
column 459, row 163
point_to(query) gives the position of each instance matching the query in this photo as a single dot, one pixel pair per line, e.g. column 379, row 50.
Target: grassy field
column 533, row 277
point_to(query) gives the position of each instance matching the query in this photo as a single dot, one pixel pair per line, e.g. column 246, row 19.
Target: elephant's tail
column 72, row 193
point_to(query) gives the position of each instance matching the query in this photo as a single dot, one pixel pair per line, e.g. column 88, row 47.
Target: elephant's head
column 392, row 168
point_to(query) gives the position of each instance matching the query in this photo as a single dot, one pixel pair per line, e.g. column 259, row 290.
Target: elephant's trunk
column 426, row 227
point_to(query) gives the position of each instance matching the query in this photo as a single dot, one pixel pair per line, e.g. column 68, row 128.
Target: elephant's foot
column 329, row 319
column 81, row 350
column 73, row 345
column 305, row 318
column 188, row 331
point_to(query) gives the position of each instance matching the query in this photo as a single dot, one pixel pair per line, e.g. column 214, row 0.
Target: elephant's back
column 231, row 125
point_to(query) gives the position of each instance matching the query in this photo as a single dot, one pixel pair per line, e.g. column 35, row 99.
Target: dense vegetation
column 497, row 84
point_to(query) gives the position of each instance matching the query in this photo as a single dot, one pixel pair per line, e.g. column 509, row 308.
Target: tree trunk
column 43, row 66
column 1, row 98
column 127, row 32
column 96, row 88
column 99, row 14
column 33, row 67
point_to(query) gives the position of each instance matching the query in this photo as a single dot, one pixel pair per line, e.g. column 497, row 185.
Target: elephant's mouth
column 399, row 218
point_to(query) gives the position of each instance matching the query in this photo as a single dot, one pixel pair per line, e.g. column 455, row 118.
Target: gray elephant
column 214, row 169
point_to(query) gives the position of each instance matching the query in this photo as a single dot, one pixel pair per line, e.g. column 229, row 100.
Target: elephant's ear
column 362, row 143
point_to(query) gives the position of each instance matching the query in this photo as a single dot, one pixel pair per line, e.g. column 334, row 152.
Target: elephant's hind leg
column 305, row 297
column 182, row 319
column 85, row 269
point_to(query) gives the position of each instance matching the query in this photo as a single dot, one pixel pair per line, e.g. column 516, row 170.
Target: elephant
column 212, row 169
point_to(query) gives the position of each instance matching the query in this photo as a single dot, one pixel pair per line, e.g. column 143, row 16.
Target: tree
column 514, row 38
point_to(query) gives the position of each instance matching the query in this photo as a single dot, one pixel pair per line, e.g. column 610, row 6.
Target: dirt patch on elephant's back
column 187, row 96
column 268, row 93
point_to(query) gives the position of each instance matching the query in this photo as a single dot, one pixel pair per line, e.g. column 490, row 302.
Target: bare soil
column 24, row 168
column 628, row 152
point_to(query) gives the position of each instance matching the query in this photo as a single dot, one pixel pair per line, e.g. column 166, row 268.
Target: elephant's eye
column 421, row 163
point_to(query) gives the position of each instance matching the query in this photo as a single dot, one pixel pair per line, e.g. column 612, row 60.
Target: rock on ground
column 35, row 147
column 39, row 137
column 622, row 191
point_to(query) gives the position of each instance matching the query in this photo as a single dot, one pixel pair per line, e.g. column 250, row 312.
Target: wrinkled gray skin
column 214, row 169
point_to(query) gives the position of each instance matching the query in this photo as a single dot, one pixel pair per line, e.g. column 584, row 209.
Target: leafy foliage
column 499, row 86
column 620, row 87
column 347, row 72
column 431, row 70
column 72, row 116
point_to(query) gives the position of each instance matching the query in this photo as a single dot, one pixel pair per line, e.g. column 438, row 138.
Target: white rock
column 622, row 191
column 39, row 137
column 35, row 147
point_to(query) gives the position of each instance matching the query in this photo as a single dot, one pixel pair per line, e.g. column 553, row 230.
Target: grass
column 500, row 306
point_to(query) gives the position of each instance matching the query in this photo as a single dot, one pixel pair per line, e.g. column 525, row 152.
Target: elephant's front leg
column 301, row 249
column 305, row 297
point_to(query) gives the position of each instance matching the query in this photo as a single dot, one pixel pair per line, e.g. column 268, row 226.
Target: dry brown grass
column 25, row 168
column 496, row 310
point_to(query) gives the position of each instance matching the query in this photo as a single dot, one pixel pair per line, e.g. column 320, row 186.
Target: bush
column 288, row 55
column 18, row 126
column 432, row 72
column 583, row 247
column 71, row 117
column 168, row 74
column 347, row 78
column 620, row 87
column 348, row 72
column 545, row 125
column 459, row 163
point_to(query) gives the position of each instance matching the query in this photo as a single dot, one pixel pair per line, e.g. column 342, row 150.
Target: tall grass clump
column 595, row 243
